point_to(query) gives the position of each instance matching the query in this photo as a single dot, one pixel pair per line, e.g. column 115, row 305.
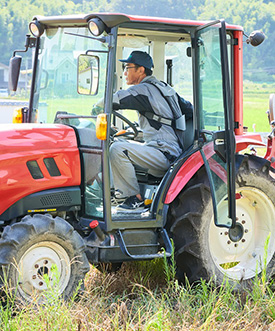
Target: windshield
column 56, row 77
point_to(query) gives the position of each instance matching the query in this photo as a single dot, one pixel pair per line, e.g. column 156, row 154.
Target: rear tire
column 30, row 249
column 205, row 251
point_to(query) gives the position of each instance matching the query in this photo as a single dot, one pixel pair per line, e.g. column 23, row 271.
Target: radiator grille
column 59, row 199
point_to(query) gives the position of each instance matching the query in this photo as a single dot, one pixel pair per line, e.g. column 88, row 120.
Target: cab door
column 215, row 126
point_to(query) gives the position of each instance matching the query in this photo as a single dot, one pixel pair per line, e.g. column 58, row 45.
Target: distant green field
column 256, row 103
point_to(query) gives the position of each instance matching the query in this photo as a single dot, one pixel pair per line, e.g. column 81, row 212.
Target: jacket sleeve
column 131, row 99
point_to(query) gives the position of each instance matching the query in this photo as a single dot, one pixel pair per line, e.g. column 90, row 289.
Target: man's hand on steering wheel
column 123, row 133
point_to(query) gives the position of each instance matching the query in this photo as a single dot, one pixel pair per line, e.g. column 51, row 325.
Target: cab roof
column 113, row 19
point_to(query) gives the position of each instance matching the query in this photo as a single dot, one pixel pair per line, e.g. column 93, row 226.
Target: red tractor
column 216, row 203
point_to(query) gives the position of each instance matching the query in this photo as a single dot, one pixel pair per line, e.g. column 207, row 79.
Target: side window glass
column 179, row 68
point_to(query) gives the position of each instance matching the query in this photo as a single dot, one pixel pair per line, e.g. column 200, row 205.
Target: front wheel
column 205, row 251
column 42, row 251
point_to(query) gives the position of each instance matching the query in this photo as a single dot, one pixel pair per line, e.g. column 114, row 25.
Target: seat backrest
column 189, row 133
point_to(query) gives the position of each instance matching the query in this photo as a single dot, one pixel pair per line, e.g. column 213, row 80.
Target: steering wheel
column 123, row 133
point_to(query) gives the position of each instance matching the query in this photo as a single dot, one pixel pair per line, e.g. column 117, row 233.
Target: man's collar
column 148, row 78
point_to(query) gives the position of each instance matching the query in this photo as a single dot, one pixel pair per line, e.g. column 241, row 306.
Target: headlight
column 17, row 115
column 96, row 26
column 36, row 28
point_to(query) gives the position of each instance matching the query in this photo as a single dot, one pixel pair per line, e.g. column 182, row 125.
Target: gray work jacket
column 145, row 97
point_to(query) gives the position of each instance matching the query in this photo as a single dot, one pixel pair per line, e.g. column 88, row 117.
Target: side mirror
column 88, row 74
column 14, row 71
column 255, row 38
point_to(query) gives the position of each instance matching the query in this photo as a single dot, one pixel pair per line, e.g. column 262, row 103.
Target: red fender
column 186, row 172
column 246, row 139
column 270, row 151
column 195, row 162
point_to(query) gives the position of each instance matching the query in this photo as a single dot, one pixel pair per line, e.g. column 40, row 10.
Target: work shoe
column 117, row 198
column 132, row 204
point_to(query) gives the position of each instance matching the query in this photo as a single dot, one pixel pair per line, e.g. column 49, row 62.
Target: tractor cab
column 77, row 69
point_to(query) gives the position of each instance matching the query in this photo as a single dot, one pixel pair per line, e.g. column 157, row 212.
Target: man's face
column 133, row 75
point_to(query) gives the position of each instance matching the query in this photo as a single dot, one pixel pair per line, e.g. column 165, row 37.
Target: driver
column 161, row 145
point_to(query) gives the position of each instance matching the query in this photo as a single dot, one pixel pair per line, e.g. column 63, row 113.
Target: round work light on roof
column 36, row 28
column 96, row 26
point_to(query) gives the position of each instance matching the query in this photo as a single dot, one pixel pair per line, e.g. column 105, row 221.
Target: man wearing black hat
column 161, row 145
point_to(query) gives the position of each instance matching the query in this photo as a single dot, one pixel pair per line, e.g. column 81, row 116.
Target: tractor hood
column 36, row 157
column 18, row 138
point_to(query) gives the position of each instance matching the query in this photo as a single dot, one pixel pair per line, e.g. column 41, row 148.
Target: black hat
column 140, row 58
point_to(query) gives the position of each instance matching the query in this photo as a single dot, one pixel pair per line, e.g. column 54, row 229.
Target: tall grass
column 146, row 296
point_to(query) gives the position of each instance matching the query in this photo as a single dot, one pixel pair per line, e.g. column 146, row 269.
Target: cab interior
column 171, row 53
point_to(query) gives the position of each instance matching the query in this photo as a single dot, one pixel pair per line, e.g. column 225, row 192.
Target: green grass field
column 256, row 103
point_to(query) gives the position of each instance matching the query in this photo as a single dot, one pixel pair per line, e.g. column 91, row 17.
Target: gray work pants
column 125, row 154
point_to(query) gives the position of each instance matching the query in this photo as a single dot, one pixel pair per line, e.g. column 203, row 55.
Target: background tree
column 252, row 15
column 15, row 16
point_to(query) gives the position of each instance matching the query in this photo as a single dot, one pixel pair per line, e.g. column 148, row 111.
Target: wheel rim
column 39, row 260
column 241, row 253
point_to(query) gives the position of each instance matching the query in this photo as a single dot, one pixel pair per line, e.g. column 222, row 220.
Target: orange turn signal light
column 101, row 126
column 17, row 115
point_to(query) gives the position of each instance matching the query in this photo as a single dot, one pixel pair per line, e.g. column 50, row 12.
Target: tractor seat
column 144, row 177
